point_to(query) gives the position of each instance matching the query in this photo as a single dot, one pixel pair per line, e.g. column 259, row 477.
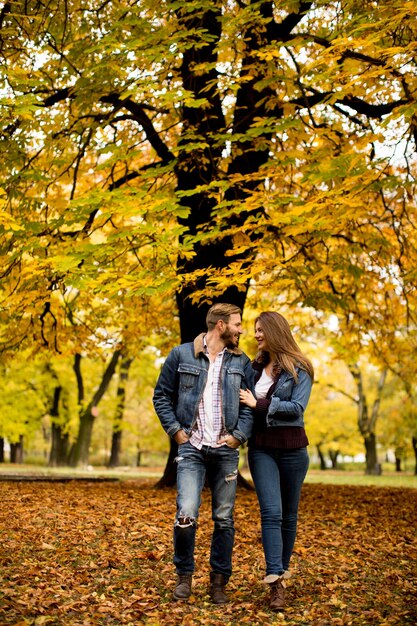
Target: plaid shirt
column 209, row 419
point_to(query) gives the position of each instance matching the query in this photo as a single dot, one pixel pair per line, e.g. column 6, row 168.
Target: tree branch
column 142, row 118
column 353, row 102
column 79, row 377
column 282, row 31
column 377, row 401
column 137, row 110
column 344, row 393
column 58, row 96
column 107, row 376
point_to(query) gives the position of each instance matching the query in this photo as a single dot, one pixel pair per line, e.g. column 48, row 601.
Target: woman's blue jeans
column 220, row 467
column 278, row 476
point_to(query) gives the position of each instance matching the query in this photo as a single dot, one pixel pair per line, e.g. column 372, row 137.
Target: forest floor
column 81, row 553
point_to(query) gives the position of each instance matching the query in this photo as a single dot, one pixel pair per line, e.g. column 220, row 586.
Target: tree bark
column 139, row 457
column 333, row 454
column 116, row 442
column 321, row 457
column 372, row 465
column 399, row 452
column 58, row 456
column 59, row 447
column 414, row 444
column 116, row 447
column 169, row 477
column 16, row 451
column 245, row 484
column 366, row 422
column 1, row 450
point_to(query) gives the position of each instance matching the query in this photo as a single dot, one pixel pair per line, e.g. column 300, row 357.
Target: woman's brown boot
column 277, row 597
column 277, row 589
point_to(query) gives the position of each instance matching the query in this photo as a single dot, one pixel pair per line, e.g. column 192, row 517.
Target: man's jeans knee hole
column 185, row 522
column 230, row 477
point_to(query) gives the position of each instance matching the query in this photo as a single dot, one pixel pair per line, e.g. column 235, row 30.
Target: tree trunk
column 59, row 447
column 366, row 422
column 169, row 477
column 414, row 444
column 80, row 451
column 399, row 452
column 16, row 451
column 139, row 457
column 1, row 450
column 116, row 447
column 333, row 454
column 58, row 456
column 81, row 448
column 321, row 457
column 372, row 465
column 245, row 484
column 116, row 442
column 197, row 167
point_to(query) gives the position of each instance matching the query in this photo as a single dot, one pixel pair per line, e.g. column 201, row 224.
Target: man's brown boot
column 277, row 597
column 216, row 591
column 183, row 589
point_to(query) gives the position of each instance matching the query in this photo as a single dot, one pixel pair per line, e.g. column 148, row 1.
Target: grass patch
column 356, row 477
column 388, row 478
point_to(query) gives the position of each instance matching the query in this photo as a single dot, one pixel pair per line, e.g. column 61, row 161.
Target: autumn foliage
column 82, row 553
column 158, row 156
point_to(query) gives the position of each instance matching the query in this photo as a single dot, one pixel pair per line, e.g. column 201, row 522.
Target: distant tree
column 23, row 402
column 367, row 419
column 79, row 453
column 117, row 431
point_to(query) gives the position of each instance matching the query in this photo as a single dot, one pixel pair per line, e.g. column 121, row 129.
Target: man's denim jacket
column 181, row 384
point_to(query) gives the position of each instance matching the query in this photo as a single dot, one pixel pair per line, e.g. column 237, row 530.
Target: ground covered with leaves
column 85, row 554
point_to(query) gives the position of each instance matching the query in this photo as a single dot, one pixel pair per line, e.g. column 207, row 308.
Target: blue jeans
column 278, row 476
column 220, row 467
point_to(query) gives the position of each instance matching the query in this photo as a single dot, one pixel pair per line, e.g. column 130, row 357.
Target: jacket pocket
column 188, row 376
column 284, row 391
column 234, row 377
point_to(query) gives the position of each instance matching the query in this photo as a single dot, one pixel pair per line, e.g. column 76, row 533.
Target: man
column 197, row 401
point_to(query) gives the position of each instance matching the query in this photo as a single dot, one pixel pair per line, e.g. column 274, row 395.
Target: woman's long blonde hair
column 283, row 349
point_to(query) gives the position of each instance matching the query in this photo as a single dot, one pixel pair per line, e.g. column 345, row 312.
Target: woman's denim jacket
column 181, row 384
column 289, row 399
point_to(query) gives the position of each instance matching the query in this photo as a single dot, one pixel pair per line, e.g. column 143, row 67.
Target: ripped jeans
column 220, row 467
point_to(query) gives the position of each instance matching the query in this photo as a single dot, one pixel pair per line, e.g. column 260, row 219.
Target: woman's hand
column 247, row 397
column 230, row 441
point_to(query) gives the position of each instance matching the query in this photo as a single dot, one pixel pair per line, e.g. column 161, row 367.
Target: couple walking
column 210, row 398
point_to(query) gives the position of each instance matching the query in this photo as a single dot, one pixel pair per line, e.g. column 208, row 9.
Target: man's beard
column 231, row 340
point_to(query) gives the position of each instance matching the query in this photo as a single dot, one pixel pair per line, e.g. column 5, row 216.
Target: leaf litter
column 81, row 554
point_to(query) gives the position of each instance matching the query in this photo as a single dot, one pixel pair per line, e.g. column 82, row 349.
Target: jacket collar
column 200, row 349
column 258, row 367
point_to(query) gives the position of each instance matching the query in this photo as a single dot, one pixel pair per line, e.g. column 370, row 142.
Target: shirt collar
column 206, row 347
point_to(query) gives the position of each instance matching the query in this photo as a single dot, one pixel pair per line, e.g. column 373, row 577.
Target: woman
column 278, row 458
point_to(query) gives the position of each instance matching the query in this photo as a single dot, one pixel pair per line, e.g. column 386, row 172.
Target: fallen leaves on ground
column 83, row 554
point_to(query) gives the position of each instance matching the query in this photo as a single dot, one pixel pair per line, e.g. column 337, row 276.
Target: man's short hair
column 221, row 311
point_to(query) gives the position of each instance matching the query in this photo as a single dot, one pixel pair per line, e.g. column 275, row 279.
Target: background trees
column 180, row 152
